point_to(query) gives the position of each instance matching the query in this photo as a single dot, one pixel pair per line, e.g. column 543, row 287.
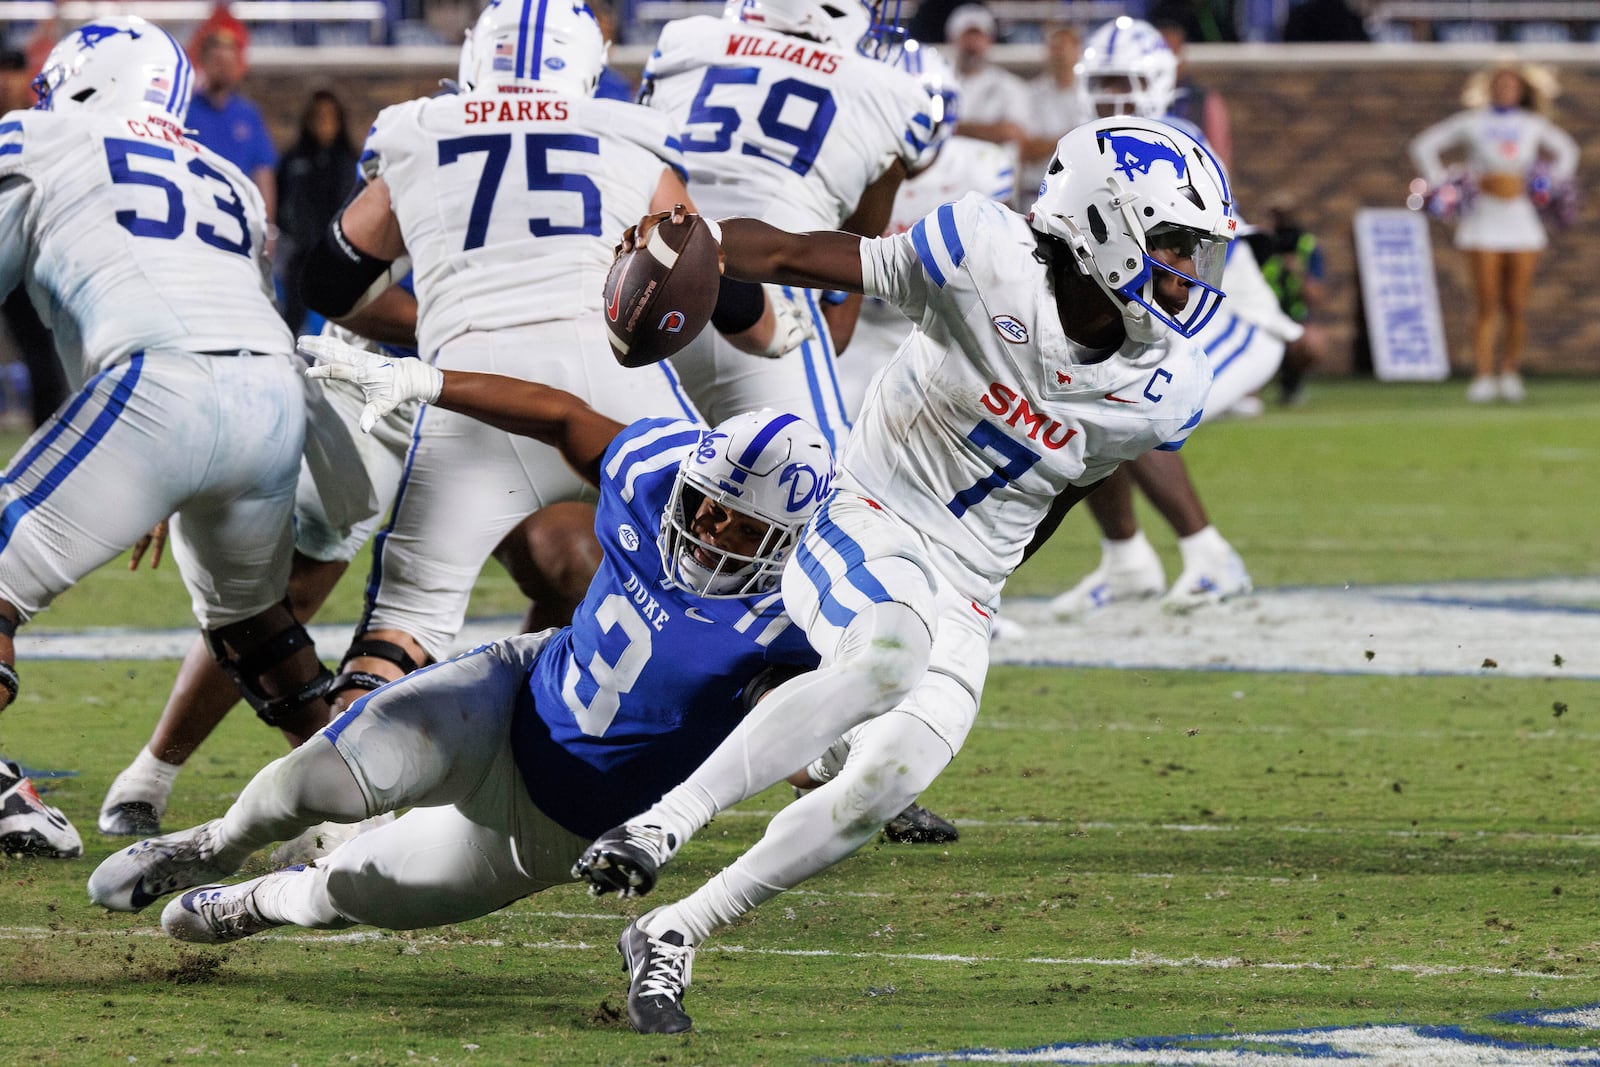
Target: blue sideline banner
column 1395, row 260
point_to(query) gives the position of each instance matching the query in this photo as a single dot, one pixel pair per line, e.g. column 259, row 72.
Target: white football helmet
column 766, row 465
column 1118, row 188
column 121, row 64
column 845, row 23
column 1126, row 68
column 553, row 44
column 938, row 80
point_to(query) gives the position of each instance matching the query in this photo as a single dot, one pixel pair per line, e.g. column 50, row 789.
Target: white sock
column 298, row 896
column 146, row 778
column 1201, row 545
column 1128, row 550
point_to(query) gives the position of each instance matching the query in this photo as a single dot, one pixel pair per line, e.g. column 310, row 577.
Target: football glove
column 385, row 381
column 793, row 327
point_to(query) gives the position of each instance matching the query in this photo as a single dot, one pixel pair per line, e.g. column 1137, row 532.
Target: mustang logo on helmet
column 1135, row 154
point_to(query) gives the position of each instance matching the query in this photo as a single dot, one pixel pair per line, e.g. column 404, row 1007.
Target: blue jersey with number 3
column 647, row 680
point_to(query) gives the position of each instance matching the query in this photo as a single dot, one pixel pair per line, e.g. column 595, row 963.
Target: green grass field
column 1145, row 854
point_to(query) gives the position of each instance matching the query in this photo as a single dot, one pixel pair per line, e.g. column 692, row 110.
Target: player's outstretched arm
column 753, row 251
column 554, row 416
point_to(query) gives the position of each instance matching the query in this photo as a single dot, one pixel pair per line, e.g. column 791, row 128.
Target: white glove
column 386, row 382
column 793, row 327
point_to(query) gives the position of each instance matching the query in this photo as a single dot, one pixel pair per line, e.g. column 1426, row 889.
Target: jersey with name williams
column 132, row 237
column 510, row 203
column 778, row 127
column 647, row 680
column 988, row 411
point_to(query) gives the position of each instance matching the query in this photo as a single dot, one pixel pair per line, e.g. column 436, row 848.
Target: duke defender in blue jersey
column 513, row 756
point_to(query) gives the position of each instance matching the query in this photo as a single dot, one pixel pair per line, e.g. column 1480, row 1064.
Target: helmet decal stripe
column 536, row 60
column 180, row 78
column 758, row 444
column 522, row 40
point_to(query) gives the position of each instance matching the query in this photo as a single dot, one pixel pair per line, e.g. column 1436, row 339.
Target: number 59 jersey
column 510, row 203
column 130, row 236
column 779, row 127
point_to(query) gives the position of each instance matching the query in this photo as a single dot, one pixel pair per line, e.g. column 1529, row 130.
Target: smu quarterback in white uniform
column 785, row 119
column 509, row 198
column 143, row 252
column 1045, row 355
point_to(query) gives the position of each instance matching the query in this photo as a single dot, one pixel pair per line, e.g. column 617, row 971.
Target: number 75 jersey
column 782, row 128
column 130, row 236
column 510, row 202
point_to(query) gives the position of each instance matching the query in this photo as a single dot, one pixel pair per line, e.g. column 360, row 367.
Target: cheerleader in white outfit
column 1502, row 135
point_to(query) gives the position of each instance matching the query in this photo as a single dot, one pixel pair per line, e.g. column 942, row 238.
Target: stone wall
column 1327, row 136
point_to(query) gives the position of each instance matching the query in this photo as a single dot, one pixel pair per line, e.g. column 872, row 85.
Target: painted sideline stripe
column 1548, row 628
column 1138, row 959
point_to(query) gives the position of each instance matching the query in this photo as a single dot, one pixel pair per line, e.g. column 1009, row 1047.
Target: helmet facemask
column 766, row 467
column 1119, row 189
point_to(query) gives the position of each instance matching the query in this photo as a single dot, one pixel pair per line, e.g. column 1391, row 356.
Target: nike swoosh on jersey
column 1117, row 399
column 697, row 615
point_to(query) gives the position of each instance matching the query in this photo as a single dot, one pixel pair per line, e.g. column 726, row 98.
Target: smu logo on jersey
column 806, row 486
column 1012, row 407
column 1011, row 329
column 1136, row 154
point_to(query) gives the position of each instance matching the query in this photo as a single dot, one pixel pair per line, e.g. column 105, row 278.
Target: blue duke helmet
column 1126, row 68
column 1120, row 187
column 765, row 465
column 532, row 43
column 121, row 65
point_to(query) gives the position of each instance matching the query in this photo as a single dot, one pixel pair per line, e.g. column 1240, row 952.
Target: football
column 660, row 296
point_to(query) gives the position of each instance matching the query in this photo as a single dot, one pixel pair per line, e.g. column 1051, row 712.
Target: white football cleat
column 1212, row 573
column 135, row 877
column 1128, row 570
column 1511, row 388
column 217, row 914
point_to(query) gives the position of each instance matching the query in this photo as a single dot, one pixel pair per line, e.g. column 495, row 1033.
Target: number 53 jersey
column 129, row 237
column 989, row 411
column 782, row 128
column 510, row 203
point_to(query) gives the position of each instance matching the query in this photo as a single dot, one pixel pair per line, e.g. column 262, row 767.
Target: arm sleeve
column 1429, row 145
column 16, row 194
column 1563, row 151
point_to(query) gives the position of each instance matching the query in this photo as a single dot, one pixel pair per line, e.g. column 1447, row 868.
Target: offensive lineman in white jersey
column 508, row 198
column 1049, row 349
column 787, row 116
column 1127, row 68
column 142, row 250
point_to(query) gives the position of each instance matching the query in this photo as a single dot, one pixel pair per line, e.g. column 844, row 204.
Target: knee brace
column 247, row 670
column 366, row 680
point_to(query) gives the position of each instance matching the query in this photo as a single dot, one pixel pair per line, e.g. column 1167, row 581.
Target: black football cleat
column 919, row 826
column 658, row 973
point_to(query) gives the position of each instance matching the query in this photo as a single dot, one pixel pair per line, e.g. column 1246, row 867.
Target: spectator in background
column 314, row 179
column 1196, row 103
column 1503, row 134
column 1211, row 21
column 1292, row 263
column 994, row 101
column 224, row 120
column 1325, row 20
column 37, row 381
column 612, row 85
column 1057, row 103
